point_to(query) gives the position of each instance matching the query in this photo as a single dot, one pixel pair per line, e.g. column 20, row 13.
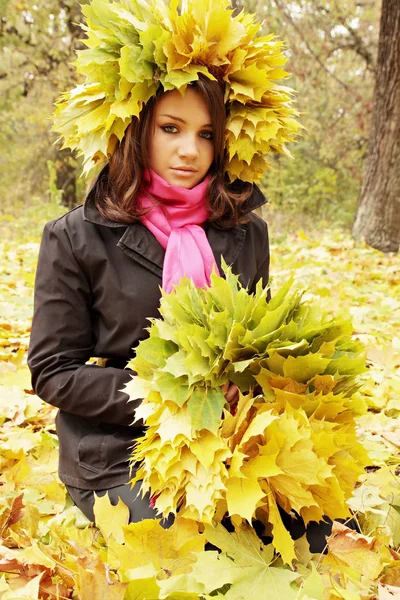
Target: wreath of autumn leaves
column 133, row 48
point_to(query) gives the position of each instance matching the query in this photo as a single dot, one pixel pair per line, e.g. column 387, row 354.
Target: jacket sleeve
column 62, row 339
column 262, row 252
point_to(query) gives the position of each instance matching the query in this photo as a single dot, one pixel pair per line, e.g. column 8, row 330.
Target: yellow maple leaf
column 242, row 496
column 109, row 518
column 282, row 538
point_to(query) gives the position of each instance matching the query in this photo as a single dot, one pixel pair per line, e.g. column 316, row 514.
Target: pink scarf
column 174, row 219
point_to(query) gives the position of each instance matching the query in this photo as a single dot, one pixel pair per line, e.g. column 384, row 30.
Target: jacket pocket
column 92, row 451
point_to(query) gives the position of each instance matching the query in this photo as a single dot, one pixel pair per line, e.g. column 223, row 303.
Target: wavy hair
column 116, row 195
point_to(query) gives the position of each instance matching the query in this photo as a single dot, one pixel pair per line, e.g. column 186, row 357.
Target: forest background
column 332, row 49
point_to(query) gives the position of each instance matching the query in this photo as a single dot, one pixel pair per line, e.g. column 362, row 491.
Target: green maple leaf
column 220, row 323
column 253, row 575
column 156, row 351
column 173, row 388
column 211, row 572
column 205, row 408
column 132, row 68
column 303, row 368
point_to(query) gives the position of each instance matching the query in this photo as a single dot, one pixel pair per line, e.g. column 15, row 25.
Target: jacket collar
column 90, row 212
column 140, row 244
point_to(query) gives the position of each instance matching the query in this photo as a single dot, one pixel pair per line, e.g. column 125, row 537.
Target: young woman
column 179, row 100
column 162, row 208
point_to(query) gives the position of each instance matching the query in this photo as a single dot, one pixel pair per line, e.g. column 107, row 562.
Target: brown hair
column 115, row 195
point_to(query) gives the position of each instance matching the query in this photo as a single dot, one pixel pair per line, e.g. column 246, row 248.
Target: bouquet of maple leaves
column 290, row 440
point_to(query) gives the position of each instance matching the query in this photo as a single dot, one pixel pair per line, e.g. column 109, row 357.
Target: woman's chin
column 185, row 179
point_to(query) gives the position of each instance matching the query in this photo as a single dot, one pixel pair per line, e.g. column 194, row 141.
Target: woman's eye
column 170, row 128
column 207, row 135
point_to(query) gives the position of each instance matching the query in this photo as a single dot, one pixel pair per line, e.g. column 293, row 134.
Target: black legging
column 139, row 508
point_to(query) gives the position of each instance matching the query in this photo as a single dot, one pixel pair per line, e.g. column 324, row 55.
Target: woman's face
column 181, row 142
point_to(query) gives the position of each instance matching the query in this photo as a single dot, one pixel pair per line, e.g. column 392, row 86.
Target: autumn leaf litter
column 49, row 550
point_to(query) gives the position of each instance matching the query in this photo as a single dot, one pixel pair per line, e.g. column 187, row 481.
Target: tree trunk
column 237, row 6
column 65, row 163
column 378, row 212
column 66, row 168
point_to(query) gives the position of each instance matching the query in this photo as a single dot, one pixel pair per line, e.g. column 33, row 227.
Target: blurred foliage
column 24, row 221
column 37, row 46
column 332, row 47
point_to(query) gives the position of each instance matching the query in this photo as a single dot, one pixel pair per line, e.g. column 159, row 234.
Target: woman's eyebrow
column 181, row 120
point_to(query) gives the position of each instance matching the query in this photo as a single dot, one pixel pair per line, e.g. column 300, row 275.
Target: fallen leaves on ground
column 49, row 550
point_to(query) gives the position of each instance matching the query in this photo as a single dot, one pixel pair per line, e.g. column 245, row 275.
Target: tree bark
column 237, row 6
column 378, row 212
column 66, row 168
column 65, row 163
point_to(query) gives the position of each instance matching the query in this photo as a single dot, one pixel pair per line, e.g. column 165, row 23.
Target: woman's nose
column 188, row 147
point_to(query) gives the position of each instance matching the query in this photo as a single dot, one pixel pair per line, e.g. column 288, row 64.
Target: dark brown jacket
column 97, row 283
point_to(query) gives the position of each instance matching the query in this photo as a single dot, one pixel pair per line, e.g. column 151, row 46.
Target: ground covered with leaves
column 49, row 550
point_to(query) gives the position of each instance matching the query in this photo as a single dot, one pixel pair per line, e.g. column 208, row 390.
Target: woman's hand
column 231, row 393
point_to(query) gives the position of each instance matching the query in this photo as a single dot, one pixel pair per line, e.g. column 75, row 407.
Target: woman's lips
column 184, row 171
